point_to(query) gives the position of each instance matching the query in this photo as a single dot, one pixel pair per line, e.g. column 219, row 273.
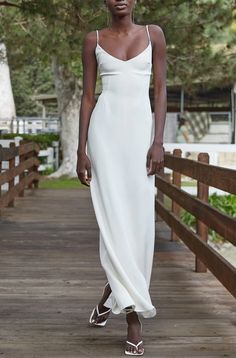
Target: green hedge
column 44, row 139
column 225, row 203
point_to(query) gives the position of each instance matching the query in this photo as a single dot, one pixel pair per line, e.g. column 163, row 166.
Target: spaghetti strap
column 148, row 33
column 97, row 36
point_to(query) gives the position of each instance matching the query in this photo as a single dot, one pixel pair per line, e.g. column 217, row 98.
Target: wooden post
column 176, row 180
column 30, row 185
column 160, row 195
column 11, row 182
column 201, row 228
column 0, row 175
column 21, row 176
column 35, row 169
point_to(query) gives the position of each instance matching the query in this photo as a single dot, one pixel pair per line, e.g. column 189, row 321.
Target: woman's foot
column 134, row 334
column 101, row 308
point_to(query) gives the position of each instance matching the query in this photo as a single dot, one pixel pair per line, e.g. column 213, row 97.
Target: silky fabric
column 120, row 132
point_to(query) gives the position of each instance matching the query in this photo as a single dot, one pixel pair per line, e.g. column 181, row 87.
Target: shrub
column 225, row 203
column 43, row 139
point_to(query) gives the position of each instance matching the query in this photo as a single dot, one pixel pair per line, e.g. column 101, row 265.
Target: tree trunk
column 7, row 104
column 69, row 98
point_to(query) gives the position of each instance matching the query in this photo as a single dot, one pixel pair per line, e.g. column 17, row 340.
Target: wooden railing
column 26, row 170
column 206, row 215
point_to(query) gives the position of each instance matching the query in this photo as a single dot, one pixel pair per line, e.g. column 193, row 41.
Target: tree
column 193, row 29
column 52, row 31
column 7, row 105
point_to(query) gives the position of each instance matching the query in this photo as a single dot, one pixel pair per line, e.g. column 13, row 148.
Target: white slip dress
column 120, row 132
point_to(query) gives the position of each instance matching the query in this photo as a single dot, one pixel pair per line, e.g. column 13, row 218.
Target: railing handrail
column 206, row 215
column 212, row 175
column 215, row 219
column 27, row 170
column 197, row 147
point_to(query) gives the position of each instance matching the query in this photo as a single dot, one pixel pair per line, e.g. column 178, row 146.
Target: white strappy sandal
column 93, row 321
column 136, row 352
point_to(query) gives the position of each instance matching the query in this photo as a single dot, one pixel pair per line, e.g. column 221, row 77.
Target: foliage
column 44, row 140
column 35, row 78
column 47, row 171
column 224, row 203
column 201, row 44
column 43, row 29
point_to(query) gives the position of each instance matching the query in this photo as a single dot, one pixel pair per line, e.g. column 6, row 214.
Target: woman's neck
column 122, row 24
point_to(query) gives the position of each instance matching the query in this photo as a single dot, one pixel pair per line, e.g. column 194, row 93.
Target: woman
column 182, row 135
column 124, row 152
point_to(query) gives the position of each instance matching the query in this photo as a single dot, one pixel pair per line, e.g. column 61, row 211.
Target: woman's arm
column 159, row 77
column 184, row 131
column 156, row 153
column 87, row 104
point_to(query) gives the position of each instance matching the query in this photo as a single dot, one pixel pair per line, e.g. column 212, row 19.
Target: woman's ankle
column 132, row 318
column 105, row 296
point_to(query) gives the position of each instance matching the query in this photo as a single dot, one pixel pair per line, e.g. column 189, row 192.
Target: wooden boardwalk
column 50, row 279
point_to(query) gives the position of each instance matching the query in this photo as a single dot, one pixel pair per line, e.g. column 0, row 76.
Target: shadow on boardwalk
column 50, row 279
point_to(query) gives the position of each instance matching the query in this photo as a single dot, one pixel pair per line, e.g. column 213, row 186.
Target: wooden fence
column 26, row 169
column 206, row 215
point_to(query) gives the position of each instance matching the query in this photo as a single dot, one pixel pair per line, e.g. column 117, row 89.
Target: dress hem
column 145, row 314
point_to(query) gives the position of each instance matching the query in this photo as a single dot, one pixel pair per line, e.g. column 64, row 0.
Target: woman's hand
column 155, row 158
column 83, row 165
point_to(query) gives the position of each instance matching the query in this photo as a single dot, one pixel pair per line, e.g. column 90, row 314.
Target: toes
column 140, row 350
column 104, row 317
column 130, row 349
column 100, row 319
column 133, row 350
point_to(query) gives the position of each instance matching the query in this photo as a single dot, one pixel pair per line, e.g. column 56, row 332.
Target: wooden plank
column 51, row 278
column 221, row 268
column 0, row 176
column 22, row 174
column 11, row 173
column 29, row 147
column 15, row 190
column 212, row 217
column 11, row 181
column 202, row 230
column 176, row 180
column 218, row 177
column 8, row 153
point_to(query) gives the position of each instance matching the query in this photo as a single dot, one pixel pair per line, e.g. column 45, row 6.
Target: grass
column 72, row 183
column 188, row 183
column 65, row 182
column 61, row 183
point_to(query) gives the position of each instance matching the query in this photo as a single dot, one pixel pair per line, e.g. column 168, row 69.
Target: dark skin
column 123, row 40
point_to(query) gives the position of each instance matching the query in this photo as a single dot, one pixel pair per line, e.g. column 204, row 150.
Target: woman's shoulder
column 156, row 29
column 90, row 39
column 157, row 36
column 91, row 35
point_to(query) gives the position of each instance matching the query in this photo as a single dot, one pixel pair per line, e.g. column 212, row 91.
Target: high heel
column 136, row 352
column 93, row 321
